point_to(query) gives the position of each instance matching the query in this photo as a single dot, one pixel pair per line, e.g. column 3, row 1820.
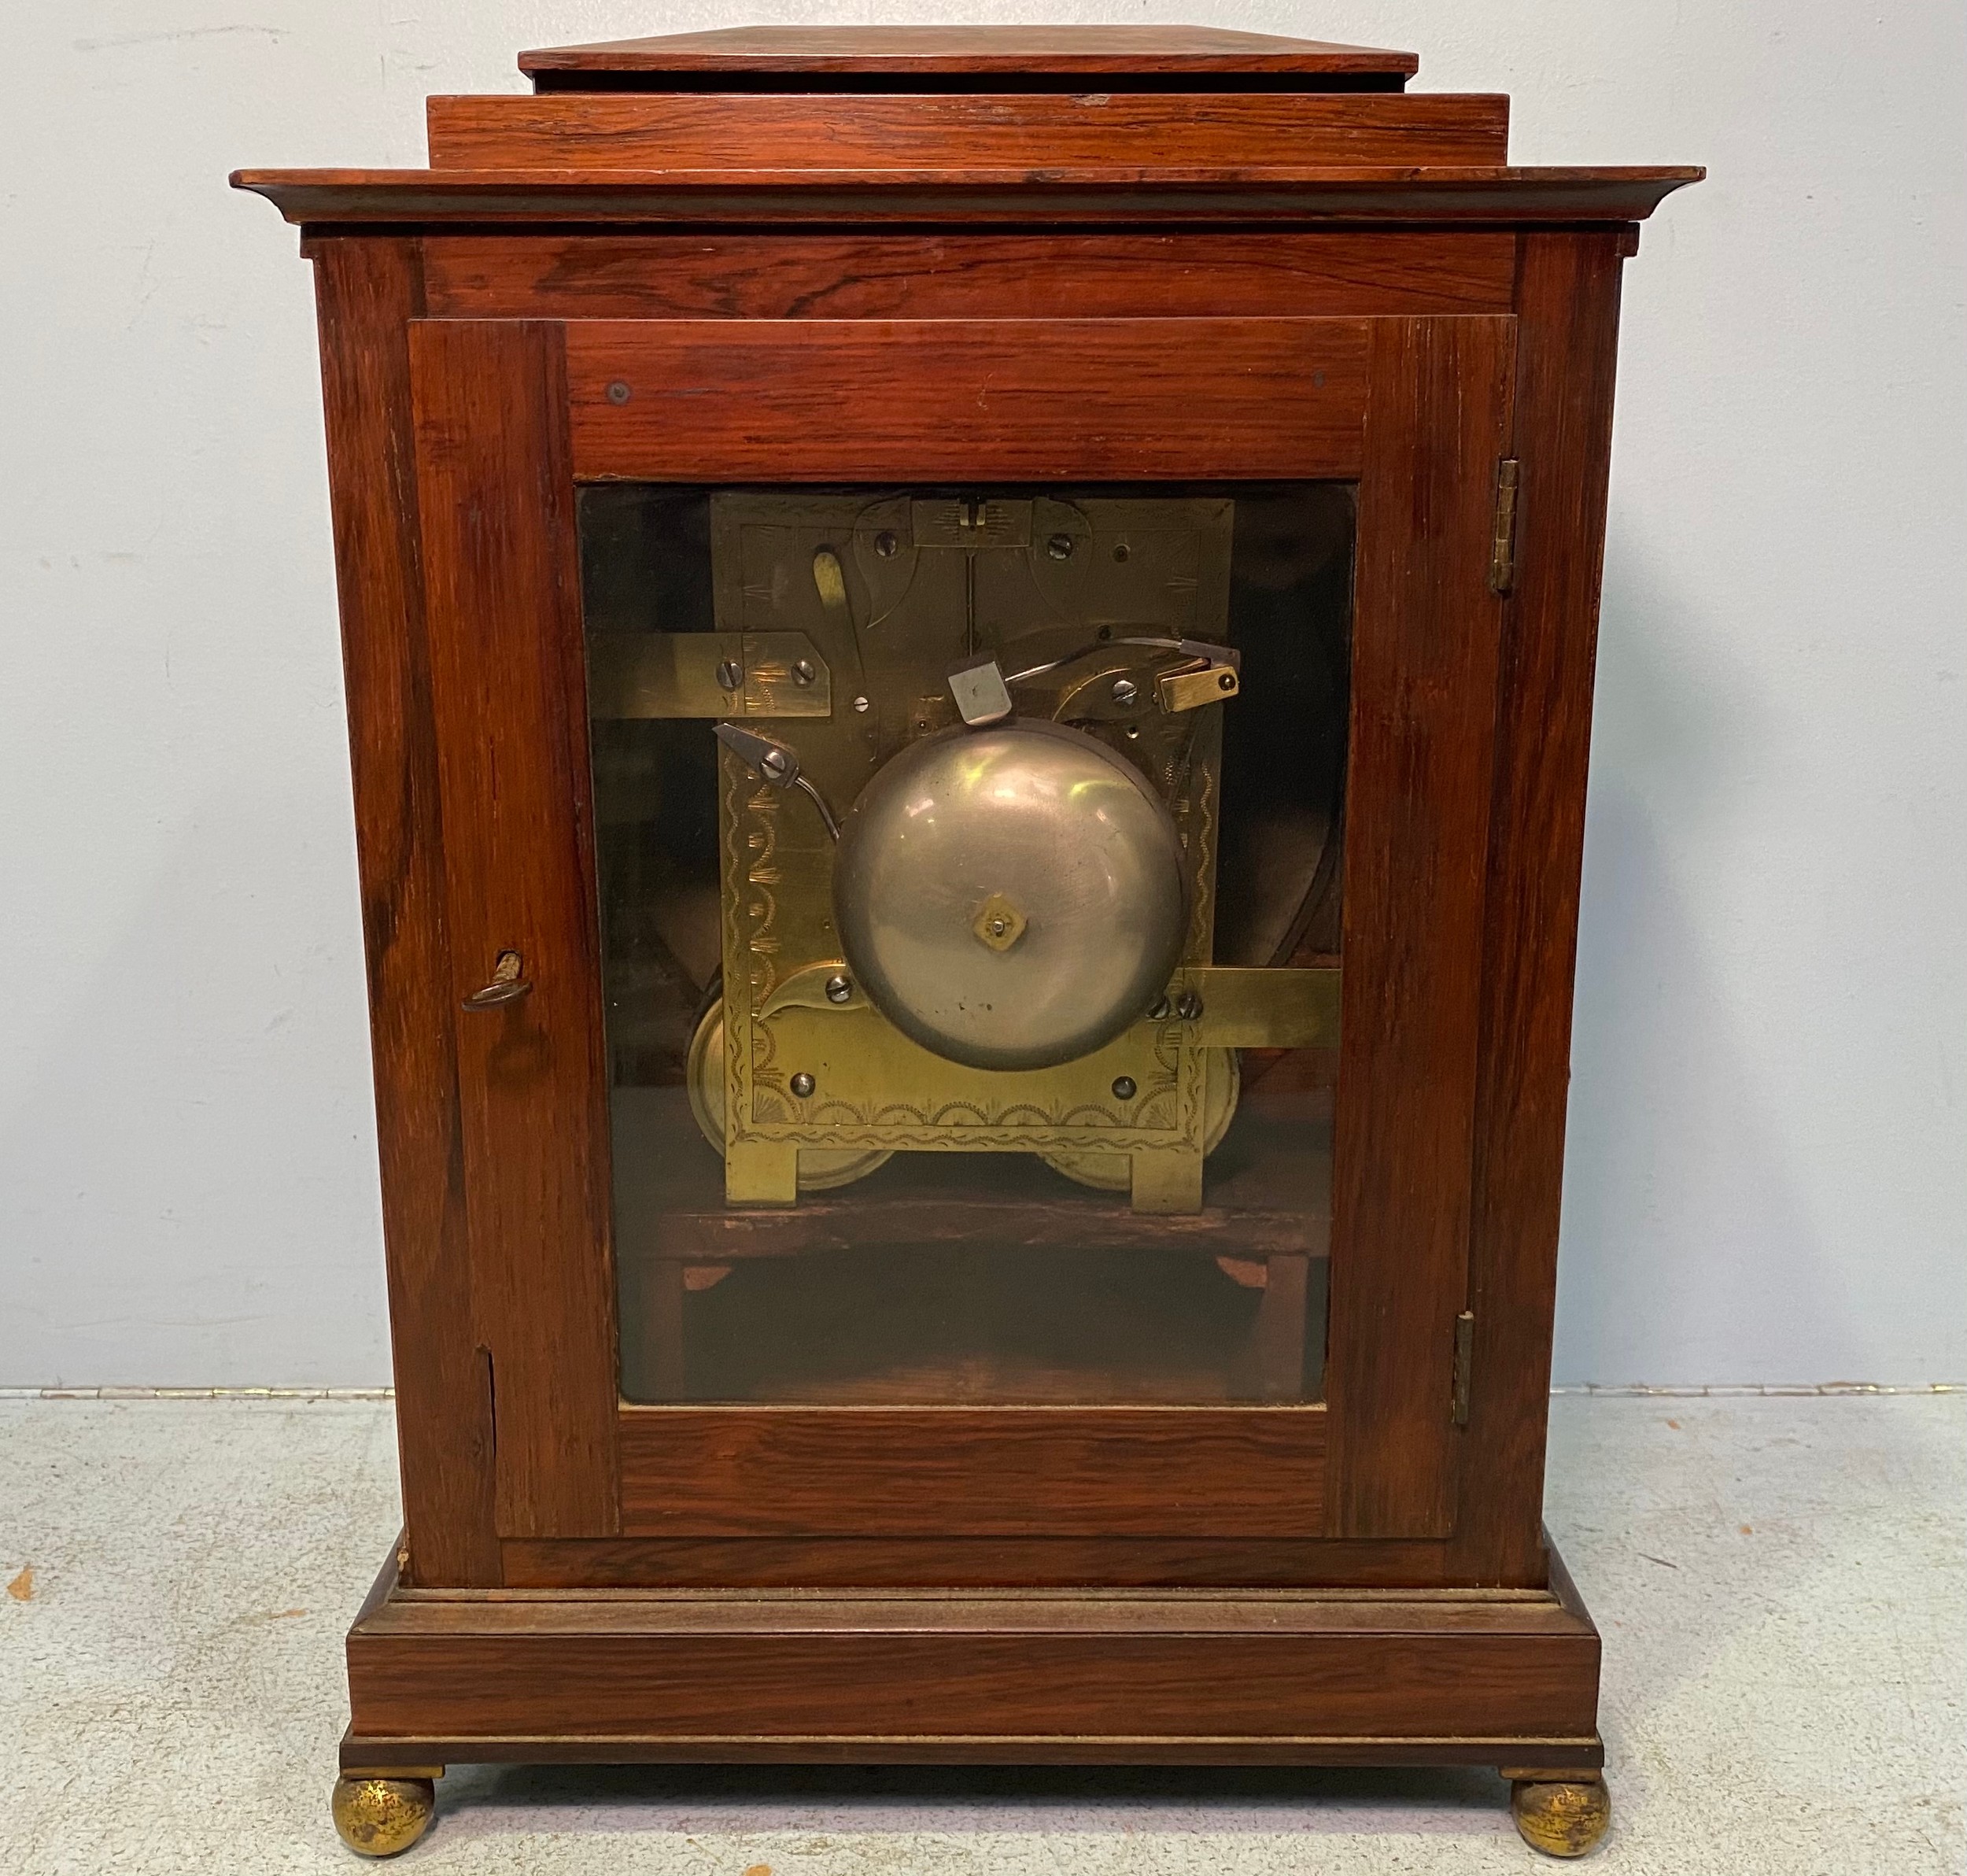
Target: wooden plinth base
column 1229, row 1677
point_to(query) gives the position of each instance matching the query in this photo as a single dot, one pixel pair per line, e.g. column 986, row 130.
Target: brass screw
column 803, row 1084
column 1123, row 1087
column 1159, row 1013
column 619, row 393
column 730, row 673
column 886, row 545
column 803, row 672
column 1226, row 682
column 1188, row 1006
column 1125, row 691
column 839, row 989
column 1059, row 547
column 862, row 705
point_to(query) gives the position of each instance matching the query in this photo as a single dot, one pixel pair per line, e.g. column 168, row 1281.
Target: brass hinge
column 1502, row 553
column 1464, row 1360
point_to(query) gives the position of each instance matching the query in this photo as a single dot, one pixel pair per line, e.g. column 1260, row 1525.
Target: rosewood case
column 777, row 280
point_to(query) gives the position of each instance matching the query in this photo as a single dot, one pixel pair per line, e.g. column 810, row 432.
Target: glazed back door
column 964, row 845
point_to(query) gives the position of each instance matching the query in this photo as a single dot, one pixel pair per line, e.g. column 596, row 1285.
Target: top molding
column 1463, row 197
column 967, row 57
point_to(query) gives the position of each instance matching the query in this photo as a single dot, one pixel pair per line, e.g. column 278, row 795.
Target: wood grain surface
column 1056, row 196
column 997, row 1562
column 1425, row 629
column 495, row 492
column 365, row 292
column 1055, row 1685
column 913, row 50
column 800, row 1670
column 955, row 1472
column 717, row 274
column 637, row 130
column 1567, row 335
column 843, row 400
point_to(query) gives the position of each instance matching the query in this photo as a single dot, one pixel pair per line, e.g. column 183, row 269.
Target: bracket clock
column 970, row 659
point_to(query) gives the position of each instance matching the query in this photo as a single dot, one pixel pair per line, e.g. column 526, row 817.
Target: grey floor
column 1782, row 1585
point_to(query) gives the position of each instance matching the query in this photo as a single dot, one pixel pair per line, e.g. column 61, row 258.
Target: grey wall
column 1766, row 1179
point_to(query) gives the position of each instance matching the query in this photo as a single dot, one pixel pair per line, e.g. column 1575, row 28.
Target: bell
column 1012, row 897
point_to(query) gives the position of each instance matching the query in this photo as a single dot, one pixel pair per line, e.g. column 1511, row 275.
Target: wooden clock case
column 1118, row 255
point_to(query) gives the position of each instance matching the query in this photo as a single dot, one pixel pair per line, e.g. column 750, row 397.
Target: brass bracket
column 642, row 674
column 1502, row 553
column 1192, row 685
column 1262, row 1006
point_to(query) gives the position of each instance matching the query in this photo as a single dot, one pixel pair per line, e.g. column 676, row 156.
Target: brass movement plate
column 685, row 674
column 888, row 593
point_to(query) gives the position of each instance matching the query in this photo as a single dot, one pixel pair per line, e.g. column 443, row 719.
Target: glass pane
column 970, row 871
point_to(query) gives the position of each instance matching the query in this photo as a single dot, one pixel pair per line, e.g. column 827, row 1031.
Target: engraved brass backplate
column 887, row 593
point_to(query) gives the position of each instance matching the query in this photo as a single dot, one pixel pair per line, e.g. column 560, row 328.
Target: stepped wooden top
column 785, row 55
column 1016, row 125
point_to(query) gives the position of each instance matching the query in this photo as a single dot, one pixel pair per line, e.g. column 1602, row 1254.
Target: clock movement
column 969, row 660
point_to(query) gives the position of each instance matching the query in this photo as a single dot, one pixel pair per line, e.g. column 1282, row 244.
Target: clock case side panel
column 1567, row 297
column 367, row 289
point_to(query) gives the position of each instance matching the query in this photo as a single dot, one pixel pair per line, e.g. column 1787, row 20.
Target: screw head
column 1125, row 691
column 1059, row 547
column 730, row 673
column 1123, row 1087
column 619, row 393
column 886, row 545
column 862, row 705
column 803, row 1084
column 774, row 762
column 803, row 672
column 1188, row 1006
column 1120, row 551
column 839, row 989
column 1159, row 1013
column 1226, row 682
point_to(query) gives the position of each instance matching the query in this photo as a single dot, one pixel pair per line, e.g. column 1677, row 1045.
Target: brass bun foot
column 379, row 1817
column 1561, row 1817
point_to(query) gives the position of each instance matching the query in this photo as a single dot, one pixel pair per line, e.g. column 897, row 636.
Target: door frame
column 509, row 415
